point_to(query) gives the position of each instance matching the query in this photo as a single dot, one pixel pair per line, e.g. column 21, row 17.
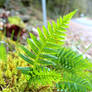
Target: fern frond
column 71, row 60
column 43, row 52
column 40, row 75
column 44, row 76
column 51, row 39
column 67, row 18
column 72, row 83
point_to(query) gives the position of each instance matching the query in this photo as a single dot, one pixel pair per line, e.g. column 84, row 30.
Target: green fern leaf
column 44, row 52
column 71, row 60
column 28, row 53
column 26, row 59
column 73, row 83
column 43, row 76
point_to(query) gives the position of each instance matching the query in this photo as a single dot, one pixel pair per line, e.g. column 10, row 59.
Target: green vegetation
column 51, row 63
column 49, row 66
column 3, row 54
column 15, row 20
column 2, row 2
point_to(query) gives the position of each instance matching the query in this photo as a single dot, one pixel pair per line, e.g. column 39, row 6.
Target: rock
column 32, row 30
column 25, row 18
column 35, row 32
column 28, row 28
column 13, row 12
column 22, row 11
column 2, row 10
column 1, row 25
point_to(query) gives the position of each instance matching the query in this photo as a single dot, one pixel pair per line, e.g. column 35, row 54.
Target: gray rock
column 22, row 11
column 28, row 28
column 2, row 10
column 32, row 30
column 13, row 12
column 25, row 18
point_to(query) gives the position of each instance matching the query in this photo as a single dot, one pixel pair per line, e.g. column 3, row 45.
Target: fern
column 49, row 60
column 43, row 76
column 40, row 75
column 45, row 49
column 73, row 83
column 74, row 66
column 70, row 60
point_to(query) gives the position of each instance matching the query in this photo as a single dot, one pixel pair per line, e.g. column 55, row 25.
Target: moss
column 11, row 79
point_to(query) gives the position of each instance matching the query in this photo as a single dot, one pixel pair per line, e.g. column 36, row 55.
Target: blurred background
column 54, row 7
column 27, row 15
